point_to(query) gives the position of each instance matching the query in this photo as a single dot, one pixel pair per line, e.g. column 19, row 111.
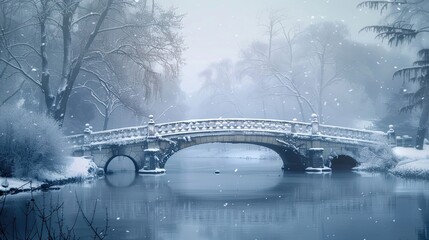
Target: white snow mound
column 412, row 162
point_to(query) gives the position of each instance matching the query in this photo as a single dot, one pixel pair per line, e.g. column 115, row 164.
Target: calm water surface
column 249, row 199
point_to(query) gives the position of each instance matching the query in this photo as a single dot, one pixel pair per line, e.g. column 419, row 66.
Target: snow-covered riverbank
column 79, row 168
column 412, row 163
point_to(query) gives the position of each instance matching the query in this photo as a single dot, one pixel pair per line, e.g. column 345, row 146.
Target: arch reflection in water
column 260, row 167
column 120, row 163
column 224, row 157
column 121, row 179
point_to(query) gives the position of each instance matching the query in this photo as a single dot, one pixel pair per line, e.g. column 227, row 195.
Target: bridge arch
column 343, row 163
column 291, row 158
column 136, row 166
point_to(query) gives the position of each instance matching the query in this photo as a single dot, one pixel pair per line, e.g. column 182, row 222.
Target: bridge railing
column 76, row 140
column 109, row 137
column 351, row 133
column 135, row 134
column 231, row 124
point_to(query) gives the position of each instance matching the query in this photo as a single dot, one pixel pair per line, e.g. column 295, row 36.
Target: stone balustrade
column 350, row 133
column 110, row 136
column 214, row 125
column 134, row 134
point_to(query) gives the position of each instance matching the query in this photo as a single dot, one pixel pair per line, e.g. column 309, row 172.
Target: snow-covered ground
column 17, row 184
column 78, row 167
column 412, row 162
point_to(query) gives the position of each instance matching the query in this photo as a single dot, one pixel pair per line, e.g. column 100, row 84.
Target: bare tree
column 324, row 40
column 10, row 85
column 105, row 102
column 84, row 25
column 287, row 76
column 278, row 63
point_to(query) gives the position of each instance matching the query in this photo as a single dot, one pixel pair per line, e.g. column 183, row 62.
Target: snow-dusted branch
column 123, row 27
column 22, row 71
column 13, row 94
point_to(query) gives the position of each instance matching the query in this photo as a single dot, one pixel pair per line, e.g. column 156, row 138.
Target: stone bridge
column 301, row 146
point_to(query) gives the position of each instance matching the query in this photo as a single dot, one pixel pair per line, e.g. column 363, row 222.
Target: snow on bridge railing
column 269, row 125
column 231, row 124
column 109, row 136
column 351, row 133
column 140, row 133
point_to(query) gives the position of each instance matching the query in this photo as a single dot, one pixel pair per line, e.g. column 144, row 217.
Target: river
column 251, row 198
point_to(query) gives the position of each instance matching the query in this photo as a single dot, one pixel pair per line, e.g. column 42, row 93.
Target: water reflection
column 423, row 232
column 253, row 202
column 122, row 180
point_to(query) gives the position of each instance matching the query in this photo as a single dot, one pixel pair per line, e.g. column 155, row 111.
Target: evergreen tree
column 405, row 21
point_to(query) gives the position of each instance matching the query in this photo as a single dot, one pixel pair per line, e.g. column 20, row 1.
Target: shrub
column 30, row 143
column 377, row 158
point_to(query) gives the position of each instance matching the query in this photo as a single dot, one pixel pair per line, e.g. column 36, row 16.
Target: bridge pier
column 151, row 164
column 316, row 161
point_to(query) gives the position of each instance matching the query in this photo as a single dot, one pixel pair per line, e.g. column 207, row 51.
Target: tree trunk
column 71, row 69
column 422, row 130
column 106, row 119
column 263, row 108
column 301, row 108
column 321, row 84
column 421, row 133
column 106, row 123
column 46, row 88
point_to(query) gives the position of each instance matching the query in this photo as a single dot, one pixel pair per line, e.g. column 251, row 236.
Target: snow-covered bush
column 413, row 163
column 29, row 143
column 380, row 158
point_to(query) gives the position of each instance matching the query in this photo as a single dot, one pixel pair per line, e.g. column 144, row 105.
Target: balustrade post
column 391, row 136
column 86, row 134
column 293, row 125
column 151, row 127
column 314, row 124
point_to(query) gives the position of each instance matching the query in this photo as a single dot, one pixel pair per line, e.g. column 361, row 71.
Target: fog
column 206, row 59
column 215, row 30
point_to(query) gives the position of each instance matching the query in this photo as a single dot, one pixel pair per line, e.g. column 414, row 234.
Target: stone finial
column 151, row 127
column 314, row 124
column 391, row 129
column 151, row 119
column 88, row 128
column 391, row 136
column 293, row 125
column 314, row 118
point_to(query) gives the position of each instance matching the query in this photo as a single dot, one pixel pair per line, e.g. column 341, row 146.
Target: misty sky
column 218, row 29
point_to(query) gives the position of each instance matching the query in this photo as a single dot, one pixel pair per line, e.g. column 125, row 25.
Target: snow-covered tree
column 86, row 35
column 419, row 99
column 405, row 21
